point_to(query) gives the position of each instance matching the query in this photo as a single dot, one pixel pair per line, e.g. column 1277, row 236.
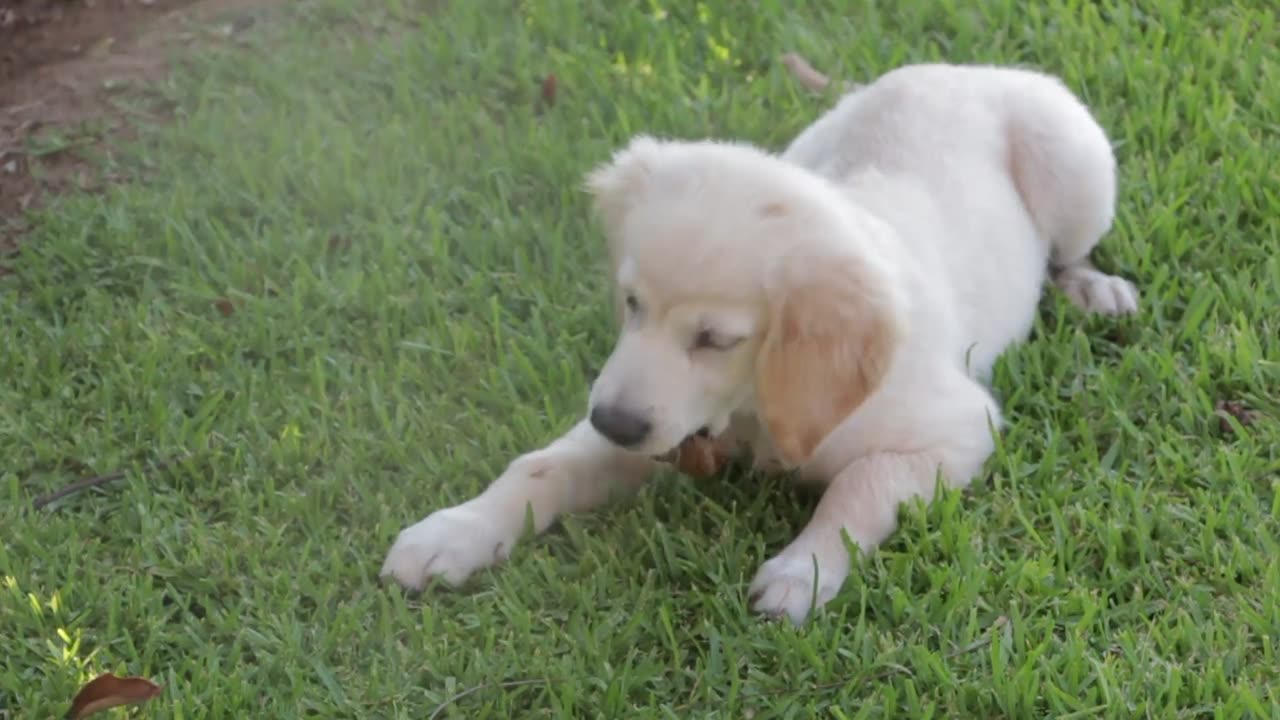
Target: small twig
column 14, row 110
column 484, row 686
column 100, row 480
column 805, row 73
column 808, row 76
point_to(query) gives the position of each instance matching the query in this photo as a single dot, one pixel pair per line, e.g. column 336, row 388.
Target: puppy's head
column 741, row 281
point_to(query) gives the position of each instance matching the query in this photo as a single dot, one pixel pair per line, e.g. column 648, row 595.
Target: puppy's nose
column 622, row 427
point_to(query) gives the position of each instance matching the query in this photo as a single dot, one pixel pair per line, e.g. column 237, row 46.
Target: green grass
column 416, row 299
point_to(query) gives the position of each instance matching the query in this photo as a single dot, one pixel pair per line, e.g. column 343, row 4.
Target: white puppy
column 835, row 308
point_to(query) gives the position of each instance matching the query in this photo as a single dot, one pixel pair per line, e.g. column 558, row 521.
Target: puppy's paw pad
column 450, row 545
column 784, row 587
column 1095, row 291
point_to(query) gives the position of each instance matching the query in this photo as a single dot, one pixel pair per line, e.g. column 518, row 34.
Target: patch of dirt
column 64, row 65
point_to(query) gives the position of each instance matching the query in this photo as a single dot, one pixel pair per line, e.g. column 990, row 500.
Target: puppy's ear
column 833, row 331
column 615, row 184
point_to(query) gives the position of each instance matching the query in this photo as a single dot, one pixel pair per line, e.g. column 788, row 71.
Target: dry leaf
column 549, row 90
column 108, row 691
column 226, row 306
column 1235, row 409
column 102, row 47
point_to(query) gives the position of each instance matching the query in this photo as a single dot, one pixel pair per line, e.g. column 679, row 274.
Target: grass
column 356, row 276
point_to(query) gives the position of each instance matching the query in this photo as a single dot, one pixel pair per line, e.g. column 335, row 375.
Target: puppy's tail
column 809, row 77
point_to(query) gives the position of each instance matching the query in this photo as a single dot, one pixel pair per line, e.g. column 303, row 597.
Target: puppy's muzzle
column 621, row 426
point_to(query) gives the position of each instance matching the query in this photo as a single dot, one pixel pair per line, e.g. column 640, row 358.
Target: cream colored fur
column 837, row 307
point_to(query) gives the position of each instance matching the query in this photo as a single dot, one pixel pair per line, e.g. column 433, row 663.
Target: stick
column 99, row 480
column 808, row 76
column 485, row 686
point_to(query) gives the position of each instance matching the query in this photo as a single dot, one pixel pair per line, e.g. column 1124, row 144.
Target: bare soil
column 64, row 65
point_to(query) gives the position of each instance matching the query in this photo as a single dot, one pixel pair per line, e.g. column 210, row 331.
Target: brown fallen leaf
column 339, row 242
column 1235, row 409
column 549, row 90
column 102, row 47
column 108, row 691
column 226, row 306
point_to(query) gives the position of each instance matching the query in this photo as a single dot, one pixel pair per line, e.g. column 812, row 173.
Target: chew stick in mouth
column 699, row 455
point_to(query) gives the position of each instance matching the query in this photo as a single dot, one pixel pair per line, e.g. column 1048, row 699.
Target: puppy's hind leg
column 1090, row 289
column 1065, row 171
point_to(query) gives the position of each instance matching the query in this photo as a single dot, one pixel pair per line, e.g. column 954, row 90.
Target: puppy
column 836, row 308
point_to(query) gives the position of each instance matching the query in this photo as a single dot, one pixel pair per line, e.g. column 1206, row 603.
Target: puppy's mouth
column 673, row 454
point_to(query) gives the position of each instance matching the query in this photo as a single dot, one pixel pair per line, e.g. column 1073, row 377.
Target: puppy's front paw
column 1095, row 291
column 449, row 544
column 785, row 585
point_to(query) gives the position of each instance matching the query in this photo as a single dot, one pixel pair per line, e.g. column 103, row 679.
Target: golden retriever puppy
column 836, row 308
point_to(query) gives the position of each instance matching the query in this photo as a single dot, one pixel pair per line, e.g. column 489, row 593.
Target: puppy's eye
column 708, row 340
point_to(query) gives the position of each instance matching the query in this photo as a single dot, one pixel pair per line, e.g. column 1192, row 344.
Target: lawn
column 356, row 275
